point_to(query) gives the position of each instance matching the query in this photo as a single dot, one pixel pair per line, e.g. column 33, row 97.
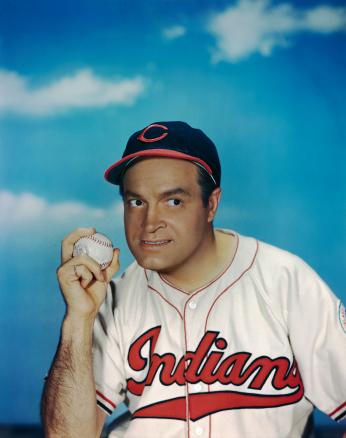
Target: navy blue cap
column 169, row 139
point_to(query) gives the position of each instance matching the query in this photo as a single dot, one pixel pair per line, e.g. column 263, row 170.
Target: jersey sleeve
column 317, row 333
column 107, row 356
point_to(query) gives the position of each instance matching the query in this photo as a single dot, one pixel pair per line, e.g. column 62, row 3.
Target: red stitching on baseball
column 101, row 242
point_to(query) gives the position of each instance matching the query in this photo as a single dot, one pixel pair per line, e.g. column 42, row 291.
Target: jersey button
column 192, row 305
column 199, row 431
column 198, row 387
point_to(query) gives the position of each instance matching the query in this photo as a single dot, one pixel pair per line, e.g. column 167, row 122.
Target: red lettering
column 168, row 362
column 136, row 361
column 263, row 366
column 198, row 357
column 231, row 368
column 207, row 375
column 207, row 366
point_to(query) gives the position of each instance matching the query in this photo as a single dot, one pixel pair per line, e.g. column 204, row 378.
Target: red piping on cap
column 159, row 153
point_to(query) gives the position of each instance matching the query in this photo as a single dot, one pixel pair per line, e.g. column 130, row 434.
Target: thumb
column 113, row 268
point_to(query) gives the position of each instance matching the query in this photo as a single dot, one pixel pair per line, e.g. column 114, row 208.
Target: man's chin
column 152, row 264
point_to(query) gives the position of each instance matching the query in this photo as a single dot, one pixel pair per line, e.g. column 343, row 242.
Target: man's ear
column 213, row 203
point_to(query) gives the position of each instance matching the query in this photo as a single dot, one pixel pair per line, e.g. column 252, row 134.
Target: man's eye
column 135, row 202
column 173, row 202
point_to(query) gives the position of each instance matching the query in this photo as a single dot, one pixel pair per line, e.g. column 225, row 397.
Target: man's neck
column 215, row 256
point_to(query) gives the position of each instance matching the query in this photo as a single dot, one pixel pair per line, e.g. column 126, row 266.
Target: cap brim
column 114, row 173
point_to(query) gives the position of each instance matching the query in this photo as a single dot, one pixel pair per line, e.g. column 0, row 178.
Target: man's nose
column 153, row 219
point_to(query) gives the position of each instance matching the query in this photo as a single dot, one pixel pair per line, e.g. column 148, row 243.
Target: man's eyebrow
column 175, row 191
column 128, row 193
column 165, row 194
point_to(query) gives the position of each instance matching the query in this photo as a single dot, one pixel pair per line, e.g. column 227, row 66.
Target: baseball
column 96, row 246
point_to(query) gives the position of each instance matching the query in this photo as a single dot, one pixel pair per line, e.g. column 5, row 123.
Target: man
column 208, row 333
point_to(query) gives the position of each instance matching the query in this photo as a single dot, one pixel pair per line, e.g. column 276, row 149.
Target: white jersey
column 247, row 355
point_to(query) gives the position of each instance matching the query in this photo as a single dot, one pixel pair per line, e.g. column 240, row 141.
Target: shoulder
column 274, row 264
column 291, row 281
column 270, row 256
column 285, row 281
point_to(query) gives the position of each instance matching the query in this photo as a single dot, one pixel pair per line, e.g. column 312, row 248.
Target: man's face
column 165, row 221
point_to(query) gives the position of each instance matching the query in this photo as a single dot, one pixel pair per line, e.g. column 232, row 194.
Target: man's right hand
column 82, row 282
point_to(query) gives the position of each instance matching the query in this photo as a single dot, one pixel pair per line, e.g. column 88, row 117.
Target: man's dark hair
column 205, row 182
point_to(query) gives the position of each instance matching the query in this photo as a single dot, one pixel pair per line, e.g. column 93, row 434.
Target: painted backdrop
column 266, row 80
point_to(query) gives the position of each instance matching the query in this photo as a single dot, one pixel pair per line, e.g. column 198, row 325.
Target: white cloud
column 83, row 89
column 174, row 32
column 325, row 19
column 256, row 26
column 26, row 210
column 33, row 227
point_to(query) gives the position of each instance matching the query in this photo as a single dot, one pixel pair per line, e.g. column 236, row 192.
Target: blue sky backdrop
column 264, row 79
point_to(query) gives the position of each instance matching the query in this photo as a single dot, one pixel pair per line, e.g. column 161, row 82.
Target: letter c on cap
column 141, row 137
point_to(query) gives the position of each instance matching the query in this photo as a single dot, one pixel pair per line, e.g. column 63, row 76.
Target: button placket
column 194, row 332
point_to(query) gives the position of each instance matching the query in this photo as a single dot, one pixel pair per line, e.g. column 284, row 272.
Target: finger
column 71, row 239
column 110, row 271
column 84, row 275
column 89, row 263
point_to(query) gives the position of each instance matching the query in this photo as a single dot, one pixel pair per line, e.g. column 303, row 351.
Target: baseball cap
column 172, row 140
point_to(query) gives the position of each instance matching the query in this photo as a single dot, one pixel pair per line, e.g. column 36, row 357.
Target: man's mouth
column 154, row 242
